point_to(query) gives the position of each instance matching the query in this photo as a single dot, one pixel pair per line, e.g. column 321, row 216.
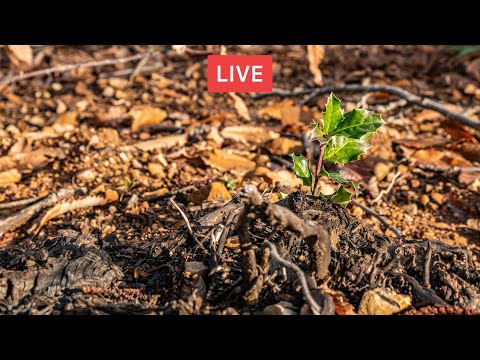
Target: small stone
column 37, row 120
column 87, row 175
column 470, row 89
column 438, row 198
column 383, row 301
column 428, row 187
column 61, row 107
column 157, row 170
column 118, row 83
column 124, row 157
column 109, row 91
column 57, row 86
column 195, row 268
column 381, row 170
column 281, row 308
column 136, row 164
column 415, row 183
column 65, row 122
column 412, row 209
column 403, row 169
column 94, row 140
column 120, row 94
column 424, row 199
column 357, row 212
column 434, row 206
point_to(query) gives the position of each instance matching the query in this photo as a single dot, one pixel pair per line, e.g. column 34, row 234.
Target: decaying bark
column 296, row 249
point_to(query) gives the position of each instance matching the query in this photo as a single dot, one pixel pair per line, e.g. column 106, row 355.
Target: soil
column 131, row 251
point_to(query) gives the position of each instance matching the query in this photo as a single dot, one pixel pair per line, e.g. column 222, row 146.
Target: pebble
column 87, row 175
column 381, row 170
column 109, row 91
column 383, row 301
column 412, row 209
column 415, row 183
column 424, row 199
column 403, row 169
column 136, row 164
column 123, row 157
column 438, row 198
column 156, row 169
column 428, row 188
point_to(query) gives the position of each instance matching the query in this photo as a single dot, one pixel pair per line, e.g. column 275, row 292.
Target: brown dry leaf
column 291, row 116
column 283, row 146
column 65, row 122
column 438, row 158
column 20, row 54
column 240, row 106
column 468, row 177
column 224, row 160
column 429, row 114
column 10, row 177
column 218, row 192
column 163, row 142
column 146, row 116
column 469, row 151
column 423, row 143
column 457, row 131
column 275, row 111
column 280, row 178
column 315, row 58
column 249, row 134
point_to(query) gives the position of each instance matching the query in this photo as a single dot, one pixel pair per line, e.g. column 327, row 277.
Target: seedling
column 230, row 184
column 342, row 139
column 129, row 185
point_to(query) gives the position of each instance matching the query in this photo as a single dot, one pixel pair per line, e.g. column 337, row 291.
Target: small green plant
column 230, row 184
column 129, row 185
column 342, row 139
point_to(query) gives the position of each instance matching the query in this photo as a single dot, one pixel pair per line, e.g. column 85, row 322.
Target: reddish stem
column 319, row 167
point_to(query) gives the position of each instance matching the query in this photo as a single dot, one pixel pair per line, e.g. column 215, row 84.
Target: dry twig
column 379, row 217
column 300, row 275
column 408, row 96
column 69, row 67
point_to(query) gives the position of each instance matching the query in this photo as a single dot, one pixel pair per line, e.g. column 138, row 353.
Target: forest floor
column 120, row 148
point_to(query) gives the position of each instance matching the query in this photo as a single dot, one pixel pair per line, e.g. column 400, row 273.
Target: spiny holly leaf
column 301, row 169
column 332, row 115
column 341, row 196
column 358, row 123
column 338, row 177
column 341, row 149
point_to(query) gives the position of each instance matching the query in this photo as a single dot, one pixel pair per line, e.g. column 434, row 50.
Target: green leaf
column 464, row 50
column 338, row 177
column 341, row 196
column 341, row 149
column 332, row 115
column 282, row 195
column 358, row 123
column 301, row 169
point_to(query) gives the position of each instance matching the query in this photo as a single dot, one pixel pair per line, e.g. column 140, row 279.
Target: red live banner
column 239, row 73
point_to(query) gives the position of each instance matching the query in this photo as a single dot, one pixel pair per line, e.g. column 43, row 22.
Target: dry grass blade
column 315, row 56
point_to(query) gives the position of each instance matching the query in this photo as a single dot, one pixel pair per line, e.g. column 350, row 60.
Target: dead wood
column 408, row 96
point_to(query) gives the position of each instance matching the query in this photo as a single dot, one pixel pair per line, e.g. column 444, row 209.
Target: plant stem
column 319, row 167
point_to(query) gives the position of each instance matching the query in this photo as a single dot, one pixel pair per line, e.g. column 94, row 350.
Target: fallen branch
column 316, row 310
column 19, row 203
column 22, row 217
column 408, row 96
column 379, row 217
column 69, row 67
